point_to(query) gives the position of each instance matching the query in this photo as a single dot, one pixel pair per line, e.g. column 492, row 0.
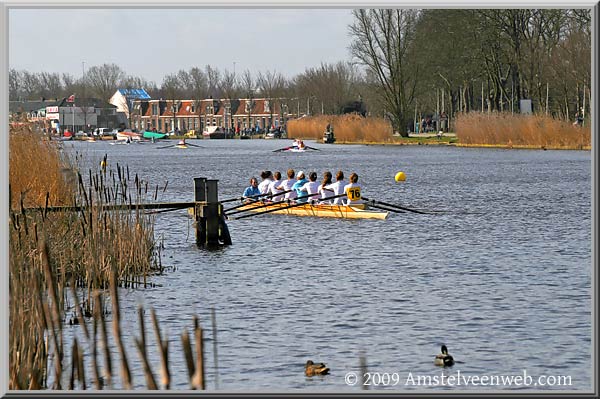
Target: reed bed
column 529, row 131
column 348, row 128
column 93, row 249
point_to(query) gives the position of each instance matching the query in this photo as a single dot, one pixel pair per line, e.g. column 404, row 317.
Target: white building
column 123, row 99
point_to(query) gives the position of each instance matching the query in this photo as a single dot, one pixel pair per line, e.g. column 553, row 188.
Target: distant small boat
column 295, row 149
column 297, row 146
column 129, row 136
column 154, row 135
column 215, row 132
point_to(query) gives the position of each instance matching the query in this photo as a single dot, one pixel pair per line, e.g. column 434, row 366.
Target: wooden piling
column 211, row 229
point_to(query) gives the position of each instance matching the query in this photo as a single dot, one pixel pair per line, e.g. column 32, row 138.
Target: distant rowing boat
column 360, row 211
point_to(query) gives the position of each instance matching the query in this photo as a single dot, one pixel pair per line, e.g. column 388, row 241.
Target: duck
column 312, row 368
column 443, row 359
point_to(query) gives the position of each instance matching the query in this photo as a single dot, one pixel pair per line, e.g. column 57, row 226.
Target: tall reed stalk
column 50, row 251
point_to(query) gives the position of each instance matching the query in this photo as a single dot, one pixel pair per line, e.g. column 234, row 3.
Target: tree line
column 403, row 64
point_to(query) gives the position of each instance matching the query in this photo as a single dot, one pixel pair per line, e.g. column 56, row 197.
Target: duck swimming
column 315, row 369
column 443, row 359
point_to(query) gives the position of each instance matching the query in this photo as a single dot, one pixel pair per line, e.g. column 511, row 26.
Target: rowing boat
column 360, row 211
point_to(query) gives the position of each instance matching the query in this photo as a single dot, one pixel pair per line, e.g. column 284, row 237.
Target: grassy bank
column 520, row 131
column 347, row 128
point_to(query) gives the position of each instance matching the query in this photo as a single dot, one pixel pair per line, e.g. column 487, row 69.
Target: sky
column 153, row 43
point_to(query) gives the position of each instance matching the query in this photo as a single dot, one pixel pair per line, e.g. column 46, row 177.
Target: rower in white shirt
column 267, row 177
column 273, row 187
column 338, row 188
column 286, row 185
column 324, row 191
column 312, row 187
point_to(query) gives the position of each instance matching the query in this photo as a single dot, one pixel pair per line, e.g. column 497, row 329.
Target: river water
column 502, row 277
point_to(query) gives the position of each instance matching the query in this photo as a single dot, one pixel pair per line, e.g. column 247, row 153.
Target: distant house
column 229, row 114
column 262, row 113
column 124, row 100
column 83, row 114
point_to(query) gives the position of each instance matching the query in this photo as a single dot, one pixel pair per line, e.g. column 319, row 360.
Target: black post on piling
column 211, row 229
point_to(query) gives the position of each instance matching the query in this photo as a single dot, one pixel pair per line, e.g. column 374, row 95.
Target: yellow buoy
column 400, row 176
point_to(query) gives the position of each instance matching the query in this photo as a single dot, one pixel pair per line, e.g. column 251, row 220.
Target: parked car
column 103, row 131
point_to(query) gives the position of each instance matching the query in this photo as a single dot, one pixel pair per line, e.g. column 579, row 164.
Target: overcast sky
column 153, row 43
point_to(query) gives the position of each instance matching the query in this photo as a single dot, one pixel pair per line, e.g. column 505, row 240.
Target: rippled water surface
column 502, row 277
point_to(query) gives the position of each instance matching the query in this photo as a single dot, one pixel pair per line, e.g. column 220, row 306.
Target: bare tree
column 332, row 84
column 382, row 41
column 172, row 90
column 30, row 85
column 50, row 84
column 228, row 88
column 104, row 80
column 198, row 88
column 247, row 86
column 213, row 76
column 271, row 85
column 14, row 84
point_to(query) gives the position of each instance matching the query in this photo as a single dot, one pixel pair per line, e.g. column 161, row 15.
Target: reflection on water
column 502, row 277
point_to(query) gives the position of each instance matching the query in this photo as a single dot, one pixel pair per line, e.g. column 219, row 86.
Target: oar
column 374, row 202
column 253, row 197
column 282, row 149
column 259, row 204
column 312, row 148
column 168, row 146
column 194, row 145
column 252, row 206
column 282, row 208
column 386, row 209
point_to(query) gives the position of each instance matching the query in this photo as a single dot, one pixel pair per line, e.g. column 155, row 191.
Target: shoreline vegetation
column 66, row 267
column 477, row 130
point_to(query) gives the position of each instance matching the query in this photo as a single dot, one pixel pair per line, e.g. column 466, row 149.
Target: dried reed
column 50, row 251
column 90, row 252
column 520, row 131
column 347, row 128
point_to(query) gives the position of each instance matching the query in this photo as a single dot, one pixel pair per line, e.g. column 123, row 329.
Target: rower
column 338, row 188
column 287, row 185
column 267, row 177
column 273, row 190
column 251, row 192
column 297, row 187
column 323, row 190
column 352, row 191
column 311, row 188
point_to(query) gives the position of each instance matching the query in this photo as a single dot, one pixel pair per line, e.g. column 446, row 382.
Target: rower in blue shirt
column 251, row 192
column 301, row 196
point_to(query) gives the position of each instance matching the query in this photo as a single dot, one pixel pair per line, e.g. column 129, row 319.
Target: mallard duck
column 443, row 359
column 312, row 368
